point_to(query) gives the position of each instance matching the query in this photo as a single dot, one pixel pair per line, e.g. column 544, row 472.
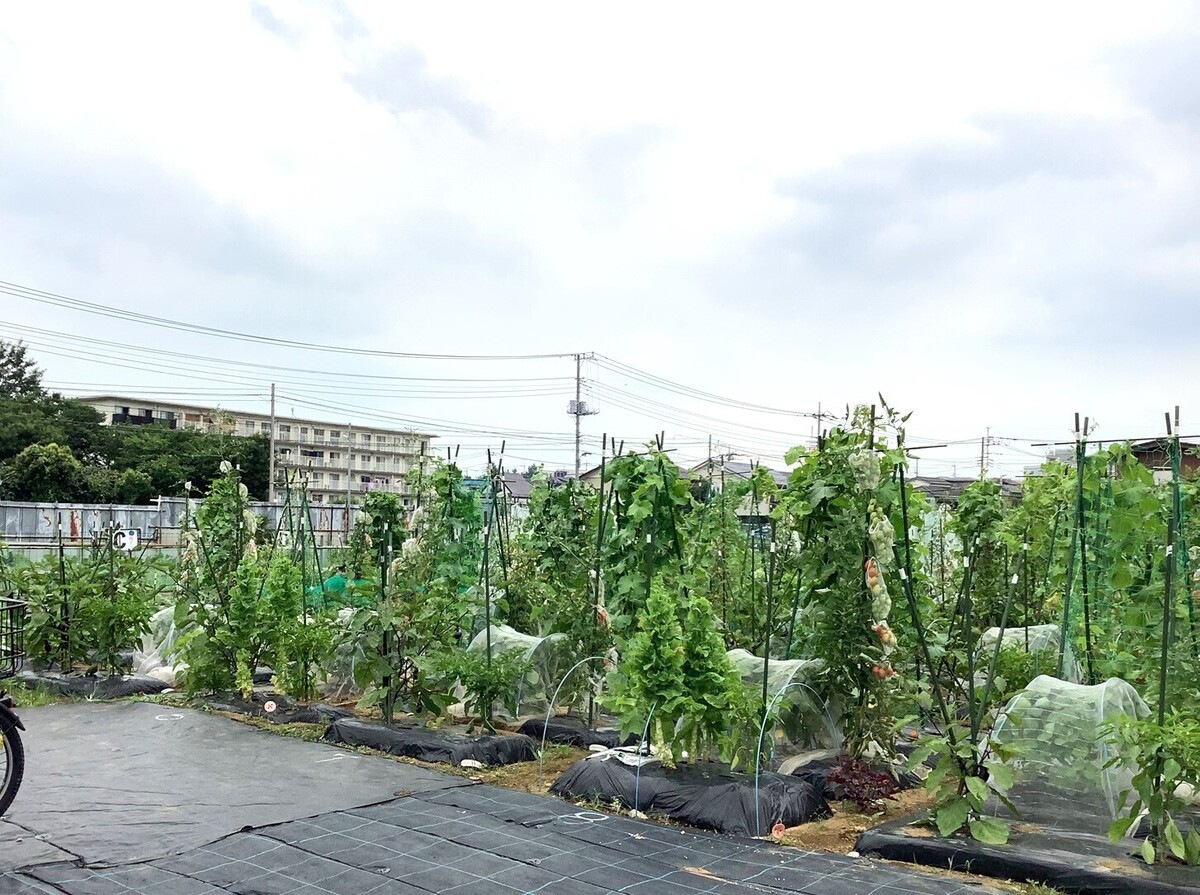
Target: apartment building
column 339, row 460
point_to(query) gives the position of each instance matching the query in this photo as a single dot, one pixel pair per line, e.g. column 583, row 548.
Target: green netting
column 1062, row 776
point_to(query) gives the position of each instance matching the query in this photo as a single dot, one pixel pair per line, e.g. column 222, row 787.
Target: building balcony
column 134, row 419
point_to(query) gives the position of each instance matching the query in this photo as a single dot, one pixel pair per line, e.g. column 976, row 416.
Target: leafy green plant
column 964, row 776
column 485, row 682
column 87, row 610
column 649, row 684
column 1166, row 762
column 839, row 496
column 425, row 603
column 240, row 606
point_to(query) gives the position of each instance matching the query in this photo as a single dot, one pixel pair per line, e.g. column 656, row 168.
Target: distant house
column 517, row 488
column 721, row 472
column 946, row 490
column 1153, row 454
column 514, row 493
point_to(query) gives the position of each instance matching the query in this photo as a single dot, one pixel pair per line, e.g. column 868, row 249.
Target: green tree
column 20, row 377
column 47, row 472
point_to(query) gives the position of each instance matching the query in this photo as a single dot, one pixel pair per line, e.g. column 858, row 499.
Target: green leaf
column 1175, row 840
column 989, row 831
column 1000, row 776
column 1192, row 847
column 952, row 816
column 977, row 788
column 1148, row 852
column 1119, row 827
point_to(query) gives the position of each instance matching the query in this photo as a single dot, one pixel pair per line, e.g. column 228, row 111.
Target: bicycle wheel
column 12, row 764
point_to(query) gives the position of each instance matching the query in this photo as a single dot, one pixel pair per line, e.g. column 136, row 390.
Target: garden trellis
column 737, row 619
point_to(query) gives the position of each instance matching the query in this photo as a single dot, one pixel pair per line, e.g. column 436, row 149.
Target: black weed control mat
column 436, row 746
column 1066, row 861
column 704, row 795
column 571, row 732
column 126, row 781
column 278, row 708
column 90, row 686
column 480, row 840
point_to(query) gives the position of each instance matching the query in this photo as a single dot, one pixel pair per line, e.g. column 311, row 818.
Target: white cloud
column 788, row 203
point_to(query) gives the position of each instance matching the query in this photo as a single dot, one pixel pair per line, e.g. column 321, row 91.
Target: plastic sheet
column 282, row 709
column 153, row 658
column 1066, row 861
column 437, row 746
column 129, row 781
column 704, row 795
column 89, row 686
column 480, row 840
column 805, row 721
column 571, row 732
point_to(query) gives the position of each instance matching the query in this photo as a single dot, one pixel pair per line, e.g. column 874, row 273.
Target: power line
column 62, row 301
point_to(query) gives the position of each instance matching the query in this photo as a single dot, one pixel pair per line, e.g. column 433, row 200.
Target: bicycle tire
column 14, row 766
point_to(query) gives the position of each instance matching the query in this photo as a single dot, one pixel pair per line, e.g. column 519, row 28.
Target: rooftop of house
column 948, row 489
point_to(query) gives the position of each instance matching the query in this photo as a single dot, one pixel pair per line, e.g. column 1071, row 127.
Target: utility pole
column 982, row 456
column 578, row 408
column 271, row 466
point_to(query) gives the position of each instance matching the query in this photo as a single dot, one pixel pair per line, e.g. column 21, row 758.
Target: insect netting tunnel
column 804, row 722
column 549, row 659
column 1041, row 642
column 1063, row 773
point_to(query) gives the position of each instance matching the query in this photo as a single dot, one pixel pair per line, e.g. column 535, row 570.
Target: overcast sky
column 993, row 218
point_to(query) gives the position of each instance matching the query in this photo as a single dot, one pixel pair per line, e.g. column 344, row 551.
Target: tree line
column 54, row 448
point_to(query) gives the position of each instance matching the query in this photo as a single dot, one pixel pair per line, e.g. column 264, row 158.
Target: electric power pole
column 271, row 464
column 578, row 408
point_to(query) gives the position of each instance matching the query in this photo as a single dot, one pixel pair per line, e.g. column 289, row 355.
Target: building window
column 248, row 425
column 334, row 478
column 316, row 498
column 318, row 477
column 424, row 446
column 266, row 427
column 318, row 433
column 335, row 433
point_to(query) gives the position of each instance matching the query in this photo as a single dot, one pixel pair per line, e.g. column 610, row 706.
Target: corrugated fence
column 38, row 524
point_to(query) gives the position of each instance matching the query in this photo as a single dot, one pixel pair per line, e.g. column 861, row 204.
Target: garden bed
column 277, row 708
column 704, row 795
column 433, row 746
column 1067, row 861
column 90, row 686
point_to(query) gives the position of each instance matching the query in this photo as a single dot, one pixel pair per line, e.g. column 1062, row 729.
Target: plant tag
column 903, row 574
column 1014, row 578
column 649, row 539
column 772, row 546
column 966, row 562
